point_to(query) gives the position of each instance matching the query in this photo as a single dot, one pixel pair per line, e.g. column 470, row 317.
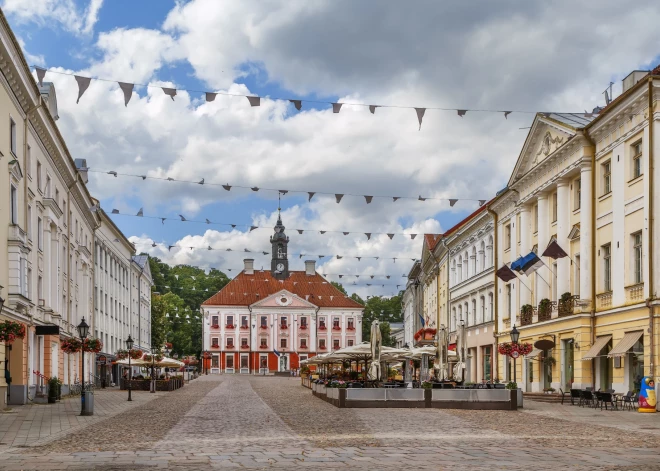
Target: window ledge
column 576, row 210
column 635, row 180
column 605, row 196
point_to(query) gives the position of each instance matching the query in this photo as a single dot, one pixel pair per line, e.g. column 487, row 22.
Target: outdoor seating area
column 138, row 384
column 608, row 399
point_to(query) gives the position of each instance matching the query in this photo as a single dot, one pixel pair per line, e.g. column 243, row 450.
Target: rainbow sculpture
column 647, row 395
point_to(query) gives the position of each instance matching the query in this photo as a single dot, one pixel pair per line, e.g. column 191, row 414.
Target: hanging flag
column 482, row 202
column 322, row 232
column 341, row 276
column 226, row 187
column 421, row 199
column 297, row 104
column 338, row 197
column 127, row 88
column 253, row 228
column 420, row 116
column 336, row 107
column 554, row 251
column 276, row 353
column 372, row 108
column 506, row 113
column 41, row 73
column 394, row 198
column 83, row 83
column 530, row 263
column 300, row 231
column 208, row 222
column 201, row 182
column 255, row 188
column 339, row 257
column 170, row 92
column 461, row 113
column 283, row 192
column 115, row 211
column 345, row 233
column 452, row 202
column 372, row 277
column 254, row 100
column 390, row 236
column 505, row 274
column 311, row 194
column 162, row 221
column 182, row 218
column 368, row 198
column 359, row 258
column 412, row 236
column 421, row 318
column 210, row 96
column 368, row 234
column 112, row 172
column 140, row 213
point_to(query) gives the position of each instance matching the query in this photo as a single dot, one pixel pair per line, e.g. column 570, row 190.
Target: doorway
column 568, row 371
column 284, row 363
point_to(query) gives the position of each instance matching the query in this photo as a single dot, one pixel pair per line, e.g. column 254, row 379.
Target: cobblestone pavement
column 219, row 422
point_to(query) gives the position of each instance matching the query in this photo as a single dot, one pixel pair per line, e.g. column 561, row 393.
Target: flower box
column 322, row 327
column 245, row 327
column 215, row 326
column 263, row 347
column 246, row 346
column 284, row 326
column 230, row 326
column 336, row 327
column 323, row 347
column 350, row 328
column 215, row 347
column 303, row 327
column 263, row 327
column 230, row 347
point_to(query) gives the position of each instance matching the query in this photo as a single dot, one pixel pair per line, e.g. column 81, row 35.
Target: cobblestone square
column 244, row 422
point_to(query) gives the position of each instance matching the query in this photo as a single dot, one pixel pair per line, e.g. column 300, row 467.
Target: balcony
column 51, row 204
column 16, row 234
column 604, row 300
column 566, row 306
column 635, row 293
column 526, row 315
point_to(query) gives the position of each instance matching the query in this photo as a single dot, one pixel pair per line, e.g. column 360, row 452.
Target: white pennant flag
column 41, row 73
column 83, row 83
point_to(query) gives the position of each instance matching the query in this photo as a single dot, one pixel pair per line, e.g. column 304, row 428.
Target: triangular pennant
column 201, row 182
column 394, row 198
column 372, row 277
column 254, row 100
column 359, row 258
column 233, row 226
column 226, row 187
column 372, row 108
column 339, row 257
column 461, row 113
column 346, row 233
column 390, row 236
column 311, row 194
column 208, row 222
column 368, row 234
column 336, row 107
column 301, row 255
column 482, row 202
column 421, row 199
column 338, row 197
column 420, row 116
column 83, row 83
column 140, row 213
column 253, row 228
column 452, row 202
column 182, row 218
column 255, row 188
column 322, row 232
column 162, row 221
column 412, row 236
column 368, row 198
column 210, row 96
column 297, row 104
column 170, row 92
column 170, row 248
column 127, row 88
column 341, row 276
column 506, row 113
column 300, row 231
column 41, row 73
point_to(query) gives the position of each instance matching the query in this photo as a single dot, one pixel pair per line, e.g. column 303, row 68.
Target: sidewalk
column 36, row 424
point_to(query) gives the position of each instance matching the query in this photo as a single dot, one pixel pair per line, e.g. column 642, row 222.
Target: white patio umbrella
column 376, row 344
column 461, row 352
column 442, row 354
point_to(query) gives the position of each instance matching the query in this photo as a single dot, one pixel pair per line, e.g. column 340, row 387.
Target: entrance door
column 245, row 368
column 54, row 360
column 568, row 371
column 284, row 363
column 263, row 364
column 546, row 368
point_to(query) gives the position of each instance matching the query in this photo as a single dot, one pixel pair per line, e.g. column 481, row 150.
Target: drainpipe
column 437, row 288
column 649, row 302
column 496, row 363
column 250, row 326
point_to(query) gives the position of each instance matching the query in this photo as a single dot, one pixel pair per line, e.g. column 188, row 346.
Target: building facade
column 263, row 322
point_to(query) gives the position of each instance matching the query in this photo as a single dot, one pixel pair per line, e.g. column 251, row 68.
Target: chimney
column 310, row 267
column 81, row 165
column 248, row 266
column 632, row 78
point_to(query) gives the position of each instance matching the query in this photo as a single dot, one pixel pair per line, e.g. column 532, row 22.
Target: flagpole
column 539, row 275
column 521, row 282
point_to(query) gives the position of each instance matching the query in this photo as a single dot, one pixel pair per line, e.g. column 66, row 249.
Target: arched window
column 490, row 307
column 467, row 314
column 460, row 269
column 482, row 256
column 474, row 312
column 466, row 267
column 474, row 261
column 489, row 252
column 482, row 314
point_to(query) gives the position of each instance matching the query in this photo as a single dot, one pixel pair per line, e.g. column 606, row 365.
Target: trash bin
column 88, row 403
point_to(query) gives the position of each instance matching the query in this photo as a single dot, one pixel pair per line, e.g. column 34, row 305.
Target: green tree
column 382, row 308
column 340, row 287
column 161, row 307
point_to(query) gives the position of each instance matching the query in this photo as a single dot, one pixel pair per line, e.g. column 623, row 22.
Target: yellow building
column 583, row 180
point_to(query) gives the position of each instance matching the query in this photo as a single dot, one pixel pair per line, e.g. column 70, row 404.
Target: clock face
column 280, row 267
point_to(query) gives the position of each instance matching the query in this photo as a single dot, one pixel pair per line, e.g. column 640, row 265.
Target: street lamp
column 129, row 345
column 83, row 331
column 515, row 335
column 154, row 352
column 167, row 354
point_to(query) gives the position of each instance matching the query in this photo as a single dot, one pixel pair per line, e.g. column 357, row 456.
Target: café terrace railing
column 543, row 313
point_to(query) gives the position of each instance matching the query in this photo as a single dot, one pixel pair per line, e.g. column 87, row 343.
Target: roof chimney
column 632, row 78
column 310, row 267
column 81, row 165
column 248, row 266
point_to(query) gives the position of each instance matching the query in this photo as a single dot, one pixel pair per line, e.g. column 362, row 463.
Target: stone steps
column 542, row 397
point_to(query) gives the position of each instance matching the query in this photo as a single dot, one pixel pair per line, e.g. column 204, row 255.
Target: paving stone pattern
column 219, row 422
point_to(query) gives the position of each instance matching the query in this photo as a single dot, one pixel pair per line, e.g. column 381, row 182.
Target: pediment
column 15, row 170
column 282, row 299
column 545, row 137
column 575, row 232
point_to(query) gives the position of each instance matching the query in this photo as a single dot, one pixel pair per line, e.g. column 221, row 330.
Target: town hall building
column 263, row 322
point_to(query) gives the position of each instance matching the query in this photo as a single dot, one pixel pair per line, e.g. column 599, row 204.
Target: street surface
column 219, row 422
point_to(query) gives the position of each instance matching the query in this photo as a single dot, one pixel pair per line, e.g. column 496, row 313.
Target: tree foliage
column 181, row 289
column 384, row 309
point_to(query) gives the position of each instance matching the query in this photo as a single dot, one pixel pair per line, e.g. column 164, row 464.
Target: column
column 48, row 261
column 563, row 223
column 586, row 215
column 52, row 272
column 525, row 247
column 542, row 288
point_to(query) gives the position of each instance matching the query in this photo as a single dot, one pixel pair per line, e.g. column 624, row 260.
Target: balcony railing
column 567, row 306
column 604, row 299
column 635, row 293
column 526, row 316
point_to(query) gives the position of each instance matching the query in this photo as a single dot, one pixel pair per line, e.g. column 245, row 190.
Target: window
column 30, row 294
column 13, row 204
column 57, row 200
column 28, row 162
column 214, row 319
column 486, row 367
column 283, row 324
column 535, row 217
column 244, row 321
column 214, row 362
column 303, row 343
column 264, row 342
column 482, row 301
column 576, row 279
column 230, row 321
column 578, row 193
column 474, row 312
column 335, row 344
column 350, row 342
column 12, row 136
column 47, row 189
column 322, row 323
column 460, row 269
column 264, row 322
column 508, row 300
column 507, row 237
column 282, row 343
column 607, row 266
column 322, row 344
column 490, row 307
column 303, row 322
column 482, row 255
column 40, row 287
column 554, row 207
column 214, row 342
column 335, row 323
column 230, row 361
column 40, row 234
column 636, row 149
column 351, row 325
column 244, row 342
column 606, row 171
column 637, row 257
column 452, row 326
column 39, row 175
column 230, row 342
column 474, row 261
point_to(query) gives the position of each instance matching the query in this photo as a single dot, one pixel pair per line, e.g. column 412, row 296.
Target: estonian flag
column 529, row 263
column 276, row 352
column 554, row 251
column 505, row 274
column 421, row 318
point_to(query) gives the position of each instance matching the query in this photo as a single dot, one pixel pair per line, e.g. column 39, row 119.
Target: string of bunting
column 127, row 89
column 325, row 275
column 182, row 218
column 310, row 194
column 262, row 282
column 299, row 254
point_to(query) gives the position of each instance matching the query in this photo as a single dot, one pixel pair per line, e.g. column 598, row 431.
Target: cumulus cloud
column 50, row 13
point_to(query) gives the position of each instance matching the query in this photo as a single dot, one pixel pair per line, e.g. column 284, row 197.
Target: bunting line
column 311, row 194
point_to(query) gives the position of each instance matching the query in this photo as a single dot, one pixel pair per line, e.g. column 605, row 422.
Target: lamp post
column 515, row 335
column 167, row 354
column 83, row 331
column 129, row 345
column 154, row 351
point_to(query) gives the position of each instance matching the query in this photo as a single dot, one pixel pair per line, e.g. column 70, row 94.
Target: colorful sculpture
column 647, row 395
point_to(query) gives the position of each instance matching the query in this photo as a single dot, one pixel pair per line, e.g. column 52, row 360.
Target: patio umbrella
column 376, row 344
column 441, row 355
column 461, row 353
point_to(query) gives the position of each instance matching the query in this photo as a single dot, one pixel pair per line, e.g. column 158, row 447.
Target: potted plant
column 545, row 309
column 511, row 385
column 53, row 384
column 565, row 306
column 304, row 371
column 427, row 385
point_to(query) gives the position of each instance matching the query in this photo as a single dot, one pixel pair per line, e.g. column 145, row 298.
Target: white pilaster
column 563, row 222
column 525, row 247
column 542, row 288
column 586, row 214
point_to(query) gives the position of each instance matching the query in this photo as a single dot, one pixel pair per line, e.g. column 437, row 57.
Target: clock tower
column 279, row 265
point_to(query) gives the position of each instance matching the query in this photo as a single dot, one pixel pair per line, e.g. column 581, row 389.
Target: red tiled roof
column 432, row 240
column 264, row 284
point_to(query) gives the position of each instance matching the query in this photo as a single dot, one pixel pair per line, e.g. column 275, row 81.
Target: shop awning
column 598, row 345
column 533, row 354
column 626, row 343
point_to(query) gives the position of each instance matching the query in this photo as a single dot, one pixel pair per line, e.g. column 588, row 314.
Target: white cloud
column 31, row 59
column 64, row 13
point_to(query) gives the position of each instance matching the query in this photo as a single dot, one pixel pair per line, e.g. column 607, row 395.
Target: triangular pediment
column 546, row 135
column 575, row 232
column 15, row 170
column 283, row 298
